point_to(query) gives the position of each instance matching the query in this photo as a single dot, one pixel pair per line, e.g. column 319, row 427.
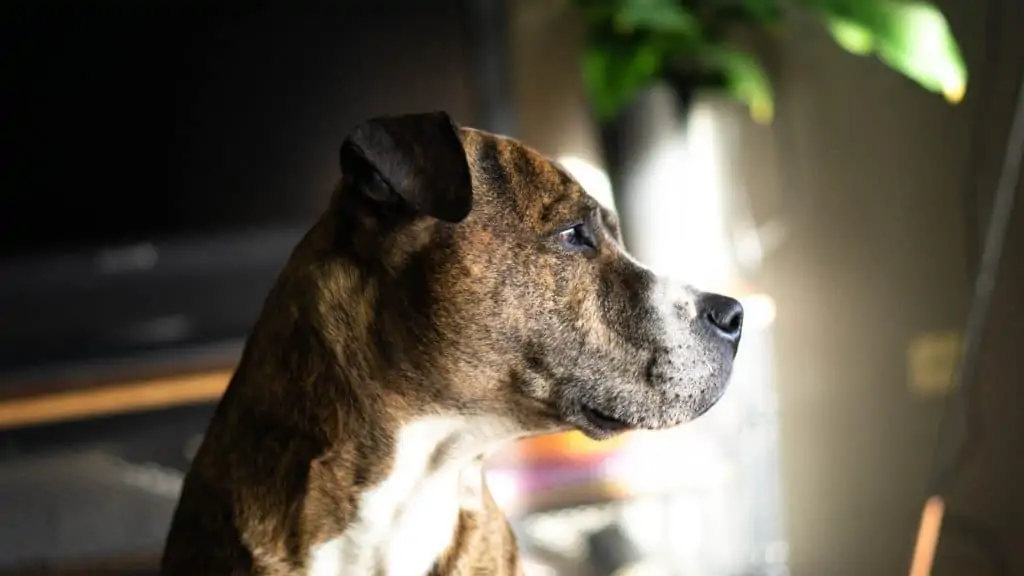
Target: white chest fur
column 405, row 523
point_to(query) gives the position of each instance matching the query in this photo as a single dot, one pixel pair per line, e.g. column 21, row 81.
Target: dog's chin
column 598, row 424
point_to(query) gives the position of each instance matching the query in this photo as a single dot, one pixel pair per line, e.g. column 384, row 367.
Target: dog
column 461, row 291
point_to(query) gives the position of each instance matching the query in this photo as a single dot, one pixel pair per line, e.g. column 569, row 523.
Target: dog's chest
column 404, row 524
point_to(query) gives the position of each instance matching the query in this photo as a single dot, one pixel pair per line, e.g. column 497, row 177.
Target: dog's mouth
column 602, row 421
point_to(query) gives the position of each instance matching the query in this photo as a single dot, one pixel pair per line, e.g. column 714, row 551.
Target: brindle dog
column 460, row 291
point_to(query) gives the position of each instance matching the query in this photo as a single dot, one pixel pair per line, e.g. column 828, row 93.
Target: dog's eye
column 577, row 238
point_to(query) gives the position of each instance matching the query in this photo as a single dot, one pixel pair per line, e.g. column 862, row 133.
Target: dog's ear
column 416, row 159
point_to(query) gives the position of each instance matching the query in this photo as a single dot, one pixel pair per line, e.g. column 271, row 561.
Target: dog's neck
column 387, row 491
column 389, row 475
column 404, row 524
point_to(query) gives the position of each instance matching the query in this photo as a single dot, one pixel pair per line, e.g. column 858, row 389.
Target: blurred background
column 160, row 159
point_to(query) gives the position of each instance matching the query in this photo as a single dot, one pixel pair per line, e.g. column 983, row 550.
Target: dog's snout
column 723, row 315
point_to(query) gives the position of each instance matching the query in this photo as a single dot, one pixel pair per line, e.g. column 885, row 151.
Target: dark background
column 134, row 121
column 159, row 160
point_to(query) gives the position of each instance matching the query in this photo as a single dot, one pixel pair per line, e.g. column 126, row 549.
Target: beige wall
column 545, row 54
column 876, row 178
column 870, row 176
column 872, row 171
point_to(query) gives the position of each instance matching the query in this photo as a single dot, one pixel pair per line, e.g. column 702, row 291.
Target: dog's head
column 487, row 280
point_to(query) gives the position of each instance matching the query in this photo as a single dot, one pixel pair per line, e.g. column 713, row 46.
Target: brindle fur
column 432, row 283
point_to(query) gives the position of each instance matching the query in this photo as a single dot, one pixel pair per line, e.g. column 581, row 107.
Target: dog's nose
column 723, row 315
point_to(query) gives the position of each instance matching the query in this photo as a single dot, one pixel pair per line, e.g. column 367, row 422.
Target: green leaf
column 597, row 13
column 614, row 74
column 923, row 48
column 658, row 15
column 746, row 80
column 851, row 36
column 911, row 37
column 765, row 11
column 633, row 43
